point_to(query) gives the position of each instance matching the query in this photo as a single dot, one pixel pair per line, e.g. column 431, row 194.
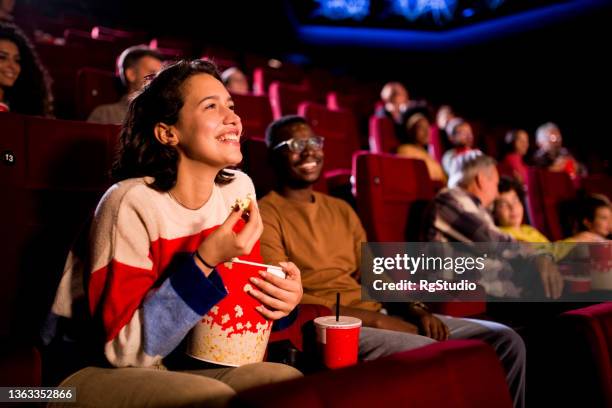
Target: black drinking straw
column 337, row 306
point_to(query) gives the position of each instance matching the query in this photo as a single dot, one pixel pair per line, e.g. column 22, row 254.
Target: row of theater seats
column 53, row 173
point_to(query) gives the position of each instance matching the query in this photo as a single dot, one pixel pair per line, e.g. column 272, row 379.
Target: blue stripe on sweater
column 179, row 303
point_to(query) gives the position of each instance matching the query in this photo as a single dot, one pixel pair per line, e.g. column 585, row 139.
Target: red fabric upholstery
column 66, row 154
column 132, row 37
column 263, row 76
column 60, row 171
column 20, row 365
column 436, row 148
column 389, row 189
column 255, row 164
column 63, row 62
column 382, row 135
column 586, row 368
column 255, row 113
column 547, row 192
column 392, row 198
column 293, row 333
column 340, row 131
column 94, row 87
column 453, row 374
column 182, row 47
column 598, row 184
column 285, row 98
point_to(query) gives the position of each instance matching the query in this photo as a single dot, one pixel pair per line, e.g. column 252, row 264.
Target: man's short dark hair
column 276, row 128
column 130, row 57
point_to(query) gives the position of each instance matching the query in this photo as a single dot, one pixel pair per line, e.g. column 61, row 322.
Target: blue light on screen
column 441, row 11
column 343, row 9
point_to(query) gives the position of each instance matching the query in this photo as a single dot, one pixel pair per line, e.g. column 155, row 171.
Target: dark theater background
column 500, row 65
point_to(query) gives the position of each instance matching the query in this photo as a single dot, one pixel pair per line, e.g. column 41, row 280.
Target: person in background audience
column 460, row 135
column 551, row 154
column 323, row 236
column 235, row 81
column 417, row 131
column 396, row 100
column 594, row 219
column 25, row 85
column 460, row 214
column 134, row 65
column 509, row 212
column 6, row 10
column 158, row 239
column 444, row 114
column 516, row 144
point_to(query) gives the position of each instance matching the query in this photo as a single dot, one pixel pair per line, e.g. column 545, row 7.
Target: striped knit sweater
column 139, row 280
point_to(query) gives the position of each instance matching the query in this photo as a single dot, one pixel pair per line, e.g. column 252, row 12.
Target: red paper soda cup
column 338, row 340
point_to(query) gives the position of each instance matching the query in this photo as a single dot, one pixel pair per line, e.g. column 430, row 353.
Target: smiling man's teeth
column 308, row 165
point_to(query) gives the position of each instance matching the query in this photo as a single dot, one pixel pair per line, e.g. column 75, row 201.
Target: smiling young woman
column 158, row 247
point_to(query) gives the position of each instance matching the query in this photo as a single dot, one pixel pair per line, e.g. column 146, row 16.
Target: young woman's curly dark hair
column 31, row 93
column 140, row 153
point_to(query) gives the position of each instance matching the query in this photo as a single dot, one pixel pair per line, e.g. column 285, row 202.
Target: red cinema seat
column 172, row 46
column 341, row 136
column 59, row 172
column 122, row 36
column 382, row 135
column 584, row 367
column 263, row 76
column 598, row 184
column 392, row 193
column 255, row 113
column 451, row 374
column 94, row 87
column 359, row 103
column 547, row 195
column 285, row 98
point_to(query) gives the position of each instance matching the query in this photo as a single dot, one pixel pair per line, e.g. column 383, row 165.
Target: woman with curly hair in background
column 25, row 85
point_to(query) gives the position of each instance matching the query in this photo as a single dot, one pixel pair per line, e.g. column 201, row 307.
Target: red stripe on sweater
column 117, row 290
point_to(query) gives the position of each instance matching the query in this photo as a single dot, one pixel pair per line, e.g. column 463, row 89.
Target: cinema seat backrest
column 392, row 195
column 255, row 113
column 548, row 195
column 382, row 135
column 452, row 374
column 339, row 129
column 94, row 87
column 586, row 371
column 285, row 98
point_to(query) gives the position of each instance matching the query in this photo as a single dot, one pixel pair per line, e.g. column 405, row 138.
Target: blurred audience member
column 516, row 145
column 417, row 133
column 6, row 10
column 396, row 100
column 594, row 220
column 460, row 135
column 509, row 212
column 134, row 65
column 460, row 214
column 235, row 81
column 25, row 86
column 443, row 116
column 551, row 154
